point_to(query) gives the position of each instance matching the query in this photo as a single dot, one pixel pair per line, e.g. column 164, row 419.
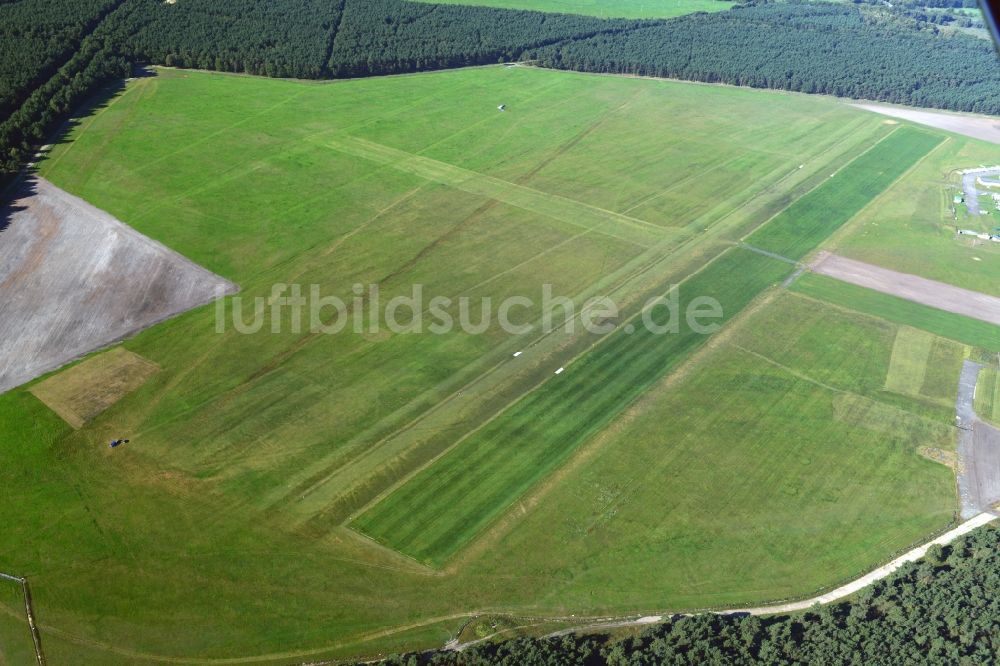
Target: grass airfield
column 765, row 462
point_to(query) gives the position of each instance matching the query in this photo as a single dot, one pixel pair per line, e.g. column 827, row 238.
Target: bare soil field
column 985, row 128
column 911, row 287
column 74, row 279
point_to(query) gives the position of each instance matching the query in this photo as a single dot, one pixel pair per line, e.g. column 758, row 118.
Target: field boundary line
column 847, row 129
column 29, row 613
column 49, row 164
column 768, row 253
column 795, row 373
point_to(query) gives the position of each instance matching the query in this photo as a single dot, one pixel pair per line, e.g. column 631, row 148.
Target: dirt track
column 986, row 128
column 74, row 279
column 834, row 595
column 911, row 287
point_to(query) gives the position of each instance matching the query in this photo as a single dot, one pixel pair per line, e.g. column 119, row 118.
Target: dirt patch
column 946, row 458
column 85, row 390
column 986, row 128
column 74, row 279
column 911, row 287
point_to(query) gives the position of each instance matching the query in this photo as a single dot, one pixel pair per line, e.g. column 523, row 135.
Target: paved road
column 911, row 287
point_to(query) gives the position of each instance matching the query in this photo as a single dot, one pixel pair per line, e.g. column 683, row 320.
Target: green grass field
column 16, row 645
column 447, row 504
column 945, row 324
column 605, row 8
column 787, row 416
column 987, row 400
column 814, row 217
column 912, row 228
column 223, row 528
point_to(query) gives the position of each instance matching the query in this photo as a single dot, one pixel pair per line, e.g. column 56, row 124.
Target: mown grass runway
column 811, row 219
column 447, row 504
column 220, row 530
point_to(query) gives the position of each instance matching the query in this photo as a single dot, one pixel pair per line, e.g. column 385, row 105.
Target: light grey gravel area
column 986, row 128
column 969, row 179
column 74, row 279
column 978, row 450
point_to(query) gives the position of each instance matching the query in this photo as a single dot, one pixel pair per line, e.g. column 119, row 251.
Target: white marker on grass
column 560, row 370
column 516, row 354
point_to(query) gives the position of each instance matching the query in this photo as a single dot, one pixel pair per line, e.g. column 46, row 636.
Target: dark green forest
column 834, row 49
column 36, row 38
column 57, row 53
column 944, row 609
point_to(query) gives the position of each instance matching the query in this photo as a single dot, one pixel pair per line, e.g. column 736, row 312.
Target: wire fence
column 29, row 613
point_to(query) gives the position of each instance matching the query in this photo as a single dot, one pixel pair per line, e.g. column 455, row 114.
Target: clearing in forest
column 659, row 471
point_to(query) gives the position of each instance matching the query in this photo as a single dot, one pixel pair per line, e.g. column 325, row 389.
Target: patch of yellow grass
column 80, row 393
column 908, row 363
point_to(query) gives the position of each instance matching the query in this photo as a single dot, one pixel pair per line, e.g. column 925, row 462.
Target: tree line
column 834, row 49
column 36, row 37
column 943, row 609
column 58, row 52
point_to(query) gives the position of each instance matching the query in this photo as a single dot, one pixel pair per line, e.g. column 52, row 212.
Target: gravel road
column 911, row 287
column 986, row 128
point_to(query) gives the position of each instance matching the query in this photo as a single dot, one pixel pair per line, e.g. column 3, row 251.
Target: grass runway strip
column 443, row 507
column 798, row 229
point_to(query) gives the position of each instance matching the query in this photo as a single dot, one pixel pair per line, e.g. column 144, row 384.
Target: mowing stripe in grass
column 946, row 324
column 806, row 223
column 443, row 507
